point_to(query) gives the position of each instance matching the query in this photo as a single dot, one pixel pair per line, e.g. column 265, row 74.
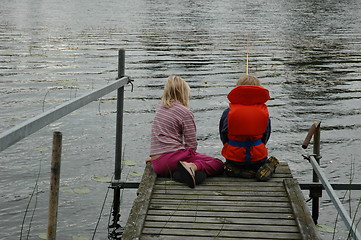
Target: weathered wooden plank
column 223, row 181
column 220, row 233
column 304, row 220
column 225, row 220
column 212, row 226
column 236, row 187
column 225, row 209
column 189, row 237
column 220, row 198
column 232, row 188
column 216, row 204
column 139, row 210
column 219, row 213
column 196, row 192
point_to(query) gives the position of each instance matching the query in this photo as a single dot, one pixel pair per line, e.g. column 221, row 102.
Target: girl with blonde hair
column 174, row 141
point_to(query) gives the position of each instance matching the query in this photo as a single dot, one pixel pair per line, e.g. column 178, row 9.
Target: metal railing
column 18, row 132
column 318, row 175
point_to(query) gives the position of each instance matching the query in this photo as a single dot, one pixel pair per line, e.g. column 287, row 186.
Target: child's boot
column 266, row 171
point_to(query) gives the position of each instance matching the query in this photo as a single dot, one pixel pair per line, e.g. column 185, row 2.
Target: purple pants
column 167, row 162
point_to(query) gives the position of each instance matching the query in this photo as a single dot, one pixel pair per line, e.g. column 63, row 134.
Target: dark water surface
column 307, row 53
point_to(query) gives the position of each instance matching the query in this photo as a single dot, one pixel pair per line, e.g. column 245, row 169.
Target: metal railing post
column 316, row 190
column 118, row 140
column 318, row 175
column 119, row 123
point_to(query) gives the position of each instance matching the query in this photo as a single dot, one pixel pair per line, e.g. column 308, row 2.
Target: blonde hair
column 248, row 80
column 175, row 89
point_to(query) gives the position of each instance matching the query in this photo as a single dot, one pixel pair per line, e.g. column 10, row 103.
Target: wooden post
column 54, row 186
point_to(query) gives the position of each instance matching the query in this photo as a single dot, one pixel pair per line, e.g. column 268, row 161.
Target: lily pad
column 67, row 190
column 101, row 179
column 129, row 162
column 82, row 190
column 135, row 173
column 17, row 117
column 43, row 236
column 80, row 237
column 325, row 228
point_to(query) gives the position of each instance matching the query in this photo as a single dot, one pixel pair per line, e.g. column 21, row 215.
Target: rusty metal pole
column 54, row 186
column 316, row 192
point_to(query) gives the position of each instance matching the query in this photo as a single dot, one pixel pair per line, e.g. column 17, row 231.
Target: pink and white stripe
column 173, row 129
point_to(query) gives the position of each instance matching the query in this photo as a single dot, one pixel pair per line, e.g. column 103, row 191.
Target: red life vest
column 247, row 121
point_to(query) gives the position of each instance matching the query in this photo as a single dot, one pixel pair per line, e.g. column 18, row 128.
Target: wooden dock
column 220, row 208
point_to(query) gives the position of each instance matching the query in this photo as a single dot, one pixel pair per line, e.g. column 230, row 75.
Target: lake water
column 306, row 52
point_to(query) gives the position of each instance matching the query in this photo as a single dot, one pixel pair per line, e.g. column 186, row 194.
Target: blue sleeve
column 267, row 133
column 223, row 126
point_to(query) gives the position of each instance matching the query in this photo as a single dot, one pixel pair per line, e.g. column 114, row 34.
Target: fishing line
column 27, row 207
column 33, row 213
column 101, row 210
column 48, row 92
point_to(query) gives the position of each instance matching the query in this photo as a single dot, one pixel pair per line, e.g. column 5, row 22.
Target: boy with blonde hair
column 245, row 128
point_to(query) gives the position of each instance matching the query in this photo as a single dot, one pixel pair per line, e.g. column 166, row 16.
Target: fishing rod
column 247, row 56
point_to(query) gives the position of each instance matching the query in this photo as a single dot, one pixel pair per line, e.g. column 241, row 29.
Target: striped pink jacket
column 173, row 129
